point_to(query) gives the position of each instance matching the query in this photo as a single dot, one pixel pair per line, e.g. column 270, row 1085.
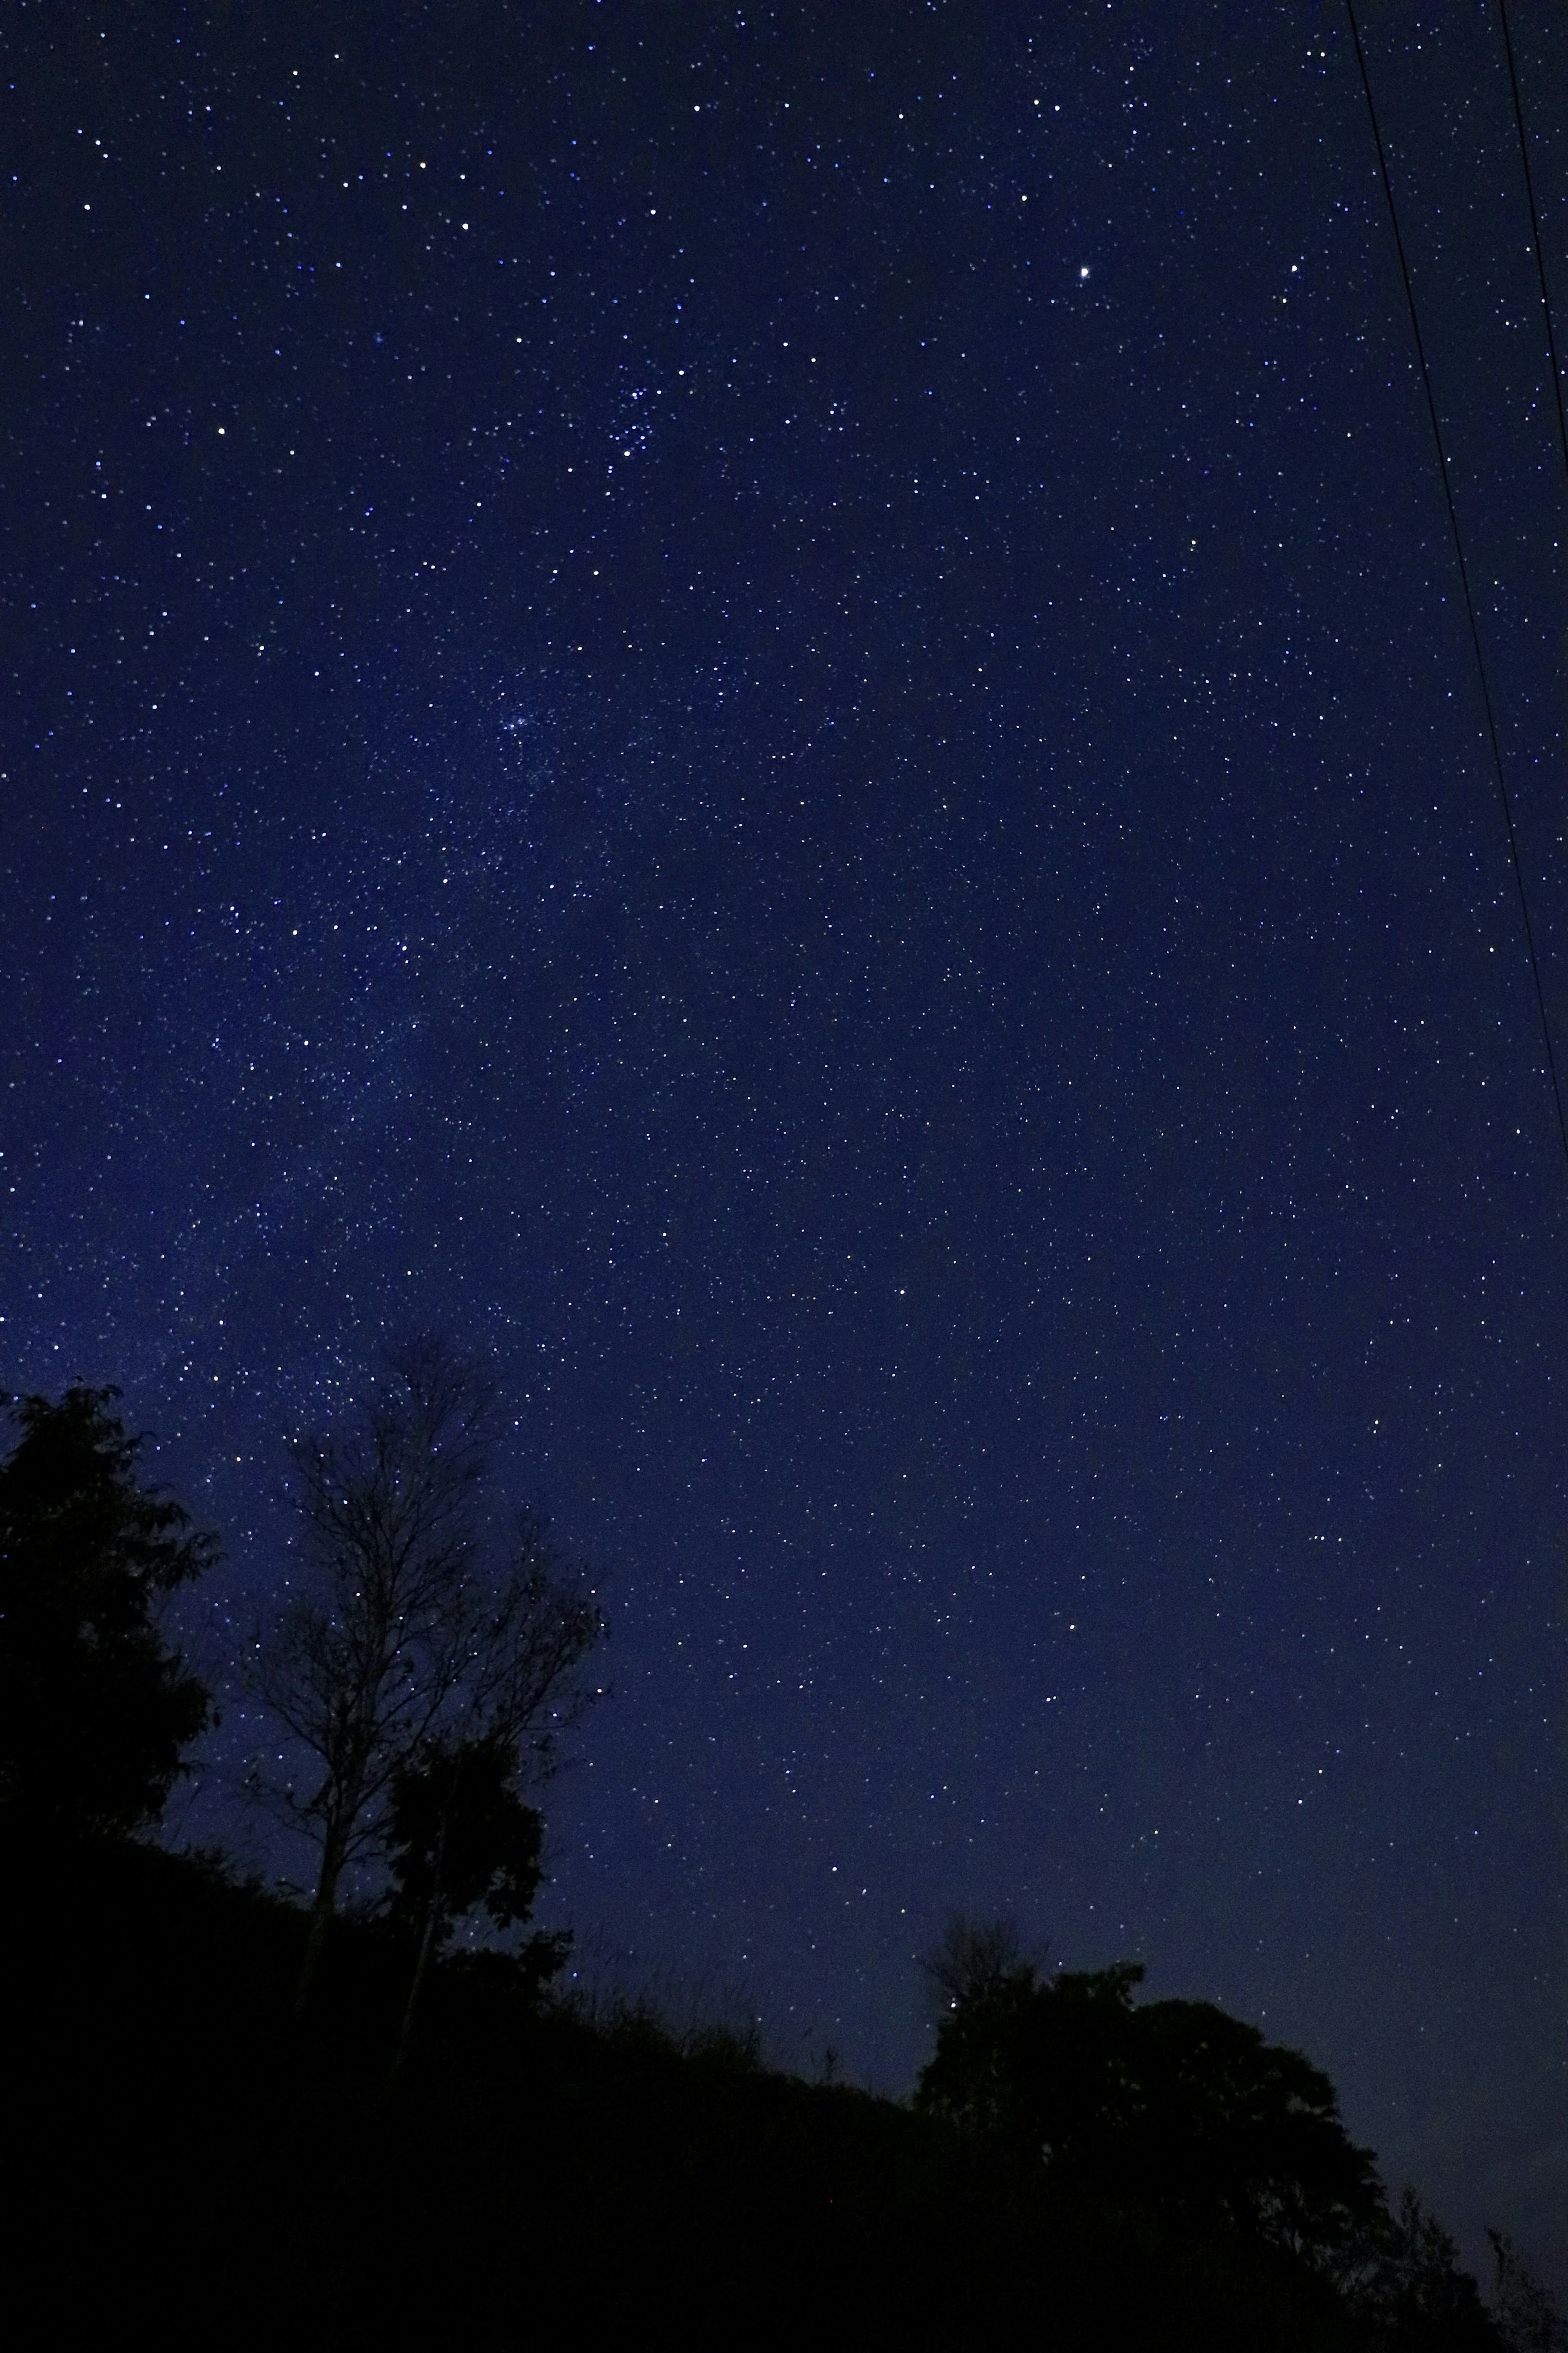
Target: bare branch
column 973, row 1958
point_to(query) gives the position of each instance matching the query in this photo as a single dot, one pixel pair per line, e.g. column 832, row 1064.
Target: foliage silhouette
column 1526, row 2315
column 1174, row 2103
column 95, row 1706
column 1403, row 2280
column 460, row 1837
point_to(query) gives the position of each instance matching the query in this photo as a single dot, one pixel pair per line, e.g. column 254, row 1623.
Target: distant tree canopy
column 95, row 1706
column 1173, row 2104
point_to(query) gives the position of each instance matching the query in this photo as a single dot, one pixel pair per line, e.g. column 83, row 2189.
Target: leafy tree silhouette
column 459, row 1836
column 1524, row 2313
column 95, row 1706
column 1174, row 2103
column 1403, row 2280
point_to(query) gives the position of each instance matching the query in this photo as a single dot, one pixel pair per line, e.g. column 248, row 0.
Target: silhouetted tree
column 460, row 1837
column 95, row 1706
column 408, row 1638
column 973, row 1958
column 1401, row 2276
column 1241, row 2131
column 1037, row 2068
column 1523, row 2313
column 1174, row 2103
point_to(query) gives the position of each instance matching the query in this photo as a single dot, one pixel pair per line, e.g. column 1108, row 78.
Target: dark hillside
column 232, row 2116
column 197, row 2161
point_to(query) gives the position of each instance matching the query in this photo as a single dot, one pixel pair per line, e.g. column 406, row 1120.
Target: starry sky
column 767, row 707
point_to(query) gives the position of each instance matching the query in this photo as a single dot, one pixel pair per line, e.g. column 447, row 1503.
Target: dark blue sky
column 768, row 707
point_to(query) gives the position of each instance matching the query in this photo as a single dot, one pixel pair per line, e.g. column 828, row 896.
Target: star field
column 769, row 710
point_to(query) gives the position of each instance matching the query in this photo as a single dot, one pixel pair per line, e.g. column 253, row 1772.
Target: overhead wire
column 1493, row 736
column 1535, row 235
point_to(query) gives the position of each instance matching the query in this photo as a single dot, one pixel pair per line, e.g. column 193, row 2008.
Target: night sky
column 767, row 707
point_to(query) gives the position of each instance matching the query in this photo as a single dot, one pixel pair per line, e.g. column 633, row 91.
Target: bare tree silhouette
column 410, row 1633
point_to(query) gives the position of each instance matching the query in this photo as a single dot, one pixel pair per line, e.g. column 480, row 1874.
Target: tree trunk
column 322, row 1914
column 426, row 1939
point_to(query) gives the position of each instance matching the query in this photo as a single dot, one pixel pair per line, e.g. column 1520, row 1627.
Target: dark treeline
column 334, row 2121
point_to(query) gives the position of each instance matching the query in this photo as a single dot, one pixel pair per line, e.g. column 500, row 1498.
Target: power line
column 1535, row 233
column 1492, row 736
